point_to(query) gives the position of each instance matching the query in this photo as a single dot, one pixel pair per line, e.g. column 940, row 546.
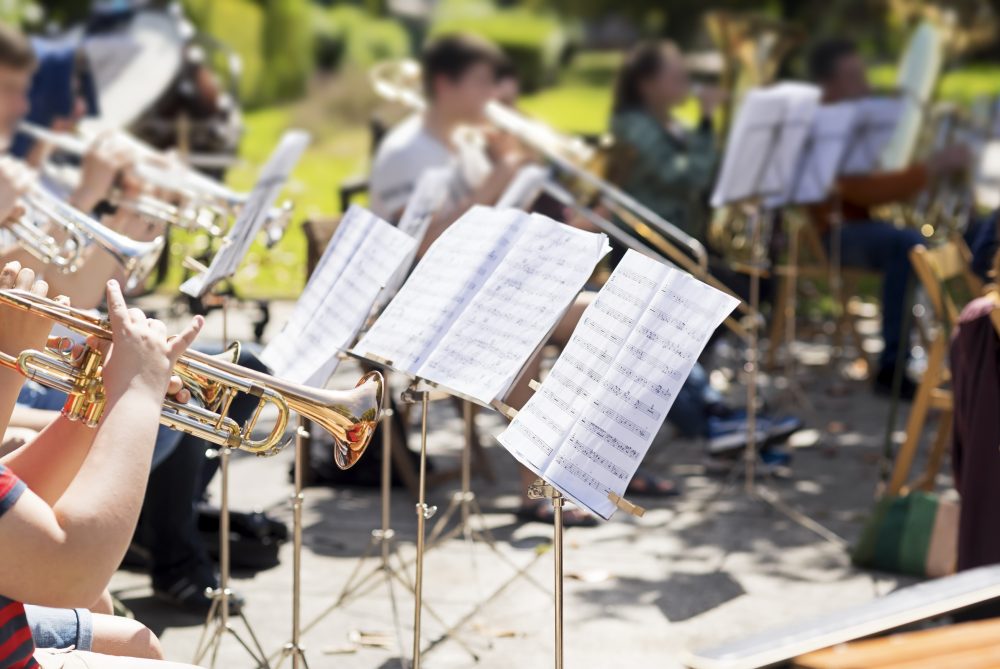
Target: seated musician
column 669, row 168
column 838, row 68
column 664, row 164
column 63, row 528
column 168, row 541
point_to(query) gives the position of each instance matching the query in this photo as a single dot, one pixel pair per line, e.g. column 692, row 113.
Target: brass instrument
column 349, row 416
column 195, row 201
column 44, row 208
column 752, row 47
column 578, row 187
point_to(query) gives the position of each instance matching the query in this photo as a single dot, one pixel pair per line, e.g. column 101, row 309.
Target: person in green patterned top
column 664, row 164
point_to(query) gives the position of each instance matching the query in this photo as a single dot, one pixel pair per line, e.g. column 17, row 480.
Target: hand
column 949, row 160
column 15, row 180
column 107, row 156
column 20, row 331
column 709, row 98
column 504, row 150
column 141, row 356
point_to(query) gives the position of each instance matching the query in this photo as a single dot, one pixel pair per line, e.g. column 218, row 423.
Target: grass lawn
column 580, row 103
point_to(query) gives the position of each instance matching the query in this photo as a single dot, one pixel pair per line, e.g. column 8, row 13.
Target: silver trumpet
column 195, row 201
column 75, row 231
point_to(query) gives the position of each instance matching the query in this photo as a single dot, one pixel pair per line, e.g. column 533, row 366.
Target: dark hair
column 453, row 55
column 15, row 49
column 825, row 56
column 643, row 62
column 506, row 69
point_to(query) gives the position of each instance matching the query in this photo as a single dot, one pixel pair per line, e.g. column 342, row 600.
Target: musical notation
column 359, row 260
column 483, row 299
column 609, row 392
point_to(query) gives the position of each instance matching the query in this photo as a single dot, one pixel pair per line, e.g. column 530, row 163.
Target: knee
column 104, row 604
column 142, row 643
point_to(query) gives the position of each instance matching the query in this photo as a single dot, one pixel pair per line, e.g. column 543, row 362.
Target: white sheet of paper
column 875, row 123
column 764, row 145
column 509, row 317
column 821, row 156
column 482, row 300
column 361, row 257
column 524, row 188
column 589, row 425
column 252, row 215
column 443, row 282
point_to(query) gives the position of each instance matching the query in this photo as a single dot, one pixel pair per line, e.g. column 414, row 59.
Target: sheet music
column 362, row 256
column 525, row 187
column 432, row 191
column 253, row 214
column 764, row 145
column 589, row 425
column 485, row 349
column 443, row 282
column 821, row 157
column 482, row 299
column 875, row 124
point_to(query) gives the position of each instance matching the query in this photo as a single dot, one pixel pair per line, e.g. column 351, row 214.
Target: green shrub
column 538, row 44
column 346, row 35
column 287, row 50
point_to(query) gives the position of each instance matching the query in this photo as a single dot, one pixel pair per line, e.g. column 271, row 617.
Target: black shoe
column 193, row 593
column 883, row 384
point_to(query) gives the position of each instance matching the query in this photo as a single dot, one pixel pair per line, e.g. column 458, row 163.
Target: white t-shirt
column 406, row 152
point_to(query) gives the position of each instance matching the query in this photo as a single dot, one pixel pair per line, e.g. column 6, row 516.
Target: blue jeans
column 879, row 245
column 690, row 411
column 60, row 628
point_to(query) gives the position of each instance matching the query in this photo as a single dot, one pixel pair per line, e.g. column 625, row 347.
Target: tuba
column 753, row 48
column 349, row 416
column 575, row 183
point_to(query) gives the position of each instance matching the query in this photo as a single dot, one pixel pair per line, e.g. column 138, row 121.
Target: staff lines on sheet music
column 575, row 470
column 595, row 456
column 657, row 389
column 626, row 423
column 610, row 439
column 625, row 395
column 530, row 434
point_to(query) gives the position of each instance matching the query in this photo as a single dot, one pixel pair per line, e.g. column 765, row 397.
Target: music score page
column 590, row 423
column 360, row 259
column 253, row 214
column 482, row 300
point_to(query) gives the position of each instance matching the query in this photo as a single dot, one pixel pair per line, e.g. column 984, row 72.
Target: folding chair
column 939, row 270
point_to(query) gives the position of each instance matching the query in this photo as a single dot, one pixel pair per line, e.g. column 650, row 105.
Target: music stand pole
column 219, row 612
column 423, row 513
column 294, row 647
column 542, row 490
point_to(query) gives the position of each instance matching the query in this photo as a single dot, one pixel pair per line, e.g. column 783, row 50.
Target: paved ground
column 712, row 565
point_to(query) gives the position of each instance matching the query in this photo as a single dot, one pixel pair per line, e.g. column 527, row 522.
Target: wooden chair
column 811, row 262
column 939, row 270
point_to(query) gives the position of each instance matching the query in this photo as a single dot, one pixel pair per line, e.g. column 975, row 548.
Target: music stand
column 225, row 263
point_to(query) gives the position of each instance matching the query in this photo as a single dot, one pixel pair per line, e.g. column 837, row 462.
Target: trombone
column 638, row 227
column 137, row 258
column 350, row 416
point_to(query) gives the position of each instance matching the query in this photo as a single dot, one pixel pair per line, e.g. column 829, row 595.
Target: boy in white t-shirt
column 459, row 78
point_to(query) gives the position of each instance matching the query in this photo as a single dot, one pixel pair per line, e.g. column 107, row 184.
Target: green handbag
column 914, row 534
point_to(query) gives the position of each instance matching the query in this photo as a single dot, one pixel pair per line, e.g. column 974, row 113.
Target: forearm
column 48, row 463
column 100, row 507
column 85, row 287
column 31, row 418
column 10, row 388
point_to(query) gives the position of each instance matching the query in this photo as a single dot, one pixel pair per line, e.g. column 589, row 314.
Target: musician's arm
column 488, row 192
column 48, row 463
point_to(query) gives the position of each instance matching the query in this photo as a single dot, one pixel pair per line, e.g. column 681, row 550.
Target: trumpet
column 197, row 202
column 137, row 258
column 637, row 226
column 349, row 416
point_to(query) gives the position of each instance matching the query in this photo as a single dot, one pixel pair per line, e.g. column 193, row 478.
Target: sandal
column 541, row 511
column 645, row 484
